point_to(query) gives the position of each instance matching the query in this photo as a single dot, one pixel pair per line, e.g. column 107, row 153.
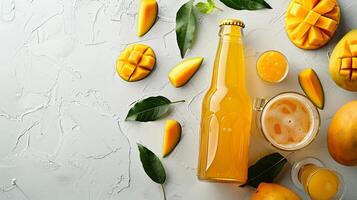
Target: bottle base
column 221, row 180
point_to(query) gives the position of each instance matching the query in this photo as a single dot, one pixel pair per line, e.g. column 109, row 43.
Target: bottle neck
column 229, row 67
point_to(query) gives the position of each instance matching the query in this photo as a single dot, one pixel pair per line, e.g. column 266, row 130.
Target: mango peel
column 310, row 24
column 183, row 72
column 343, row 62
column 135, row 62
column 342, row 135
column 271, row 191
column 147, row 15
column 310, row 83
column 172, row 136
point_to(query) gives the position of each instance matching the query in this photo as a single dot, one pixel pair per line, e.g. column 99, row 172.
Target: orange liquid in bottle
column 226, row 114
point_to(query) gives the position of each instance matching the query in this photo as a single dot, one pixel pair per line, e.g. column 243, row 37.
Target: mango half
column 135, row 62
column 271, row 191
column 343, row 62
column 172, row 136
column 183, row 72
column 310, row 83
column 310, row 24
column 147, row 16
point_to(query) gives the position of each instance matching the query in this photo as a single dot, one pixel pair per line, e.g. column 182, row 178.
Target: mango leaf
column 152, row 165
column 185, row 27
column 265, row 169
column 149, row 109
column 207, row 7
column 246, row 4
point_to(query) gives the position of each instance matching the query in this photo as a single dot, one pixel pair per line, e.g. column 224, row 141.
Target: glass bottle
column 226, row 112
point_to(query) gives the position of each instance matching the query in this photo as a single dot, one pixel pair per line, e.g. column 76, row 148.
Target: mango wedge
column 310, row 83
column 147, row 16
column 172, row 136
column 184, row 71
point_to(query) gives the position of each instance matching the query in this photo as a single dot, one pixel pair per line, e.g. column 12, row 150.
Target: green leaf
column 265, row 170
column 246, row 4
column 149, row 109
column 185, row 27
column 152, row 165
column 207, row 7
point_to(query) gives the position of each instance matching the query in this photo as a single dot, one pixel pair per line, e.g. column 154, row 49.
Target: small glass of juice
column 319, row 182
column 289, row 121
column 272, row 66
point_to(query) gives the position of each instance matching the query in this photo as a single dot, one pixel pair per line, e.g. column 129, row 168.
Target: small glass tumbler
column 319, row 182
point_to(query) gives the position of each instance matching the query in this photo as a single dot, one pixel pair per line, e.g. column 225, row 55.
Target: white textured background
column 62, row 134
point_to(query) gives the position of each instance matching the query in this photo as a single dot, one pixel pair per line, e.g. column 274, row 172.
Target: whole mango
column 271, row 191
column 342, row 135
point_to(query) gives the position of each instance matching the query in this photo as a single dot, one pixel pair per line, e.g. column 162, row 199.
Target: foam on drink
column 290, row 121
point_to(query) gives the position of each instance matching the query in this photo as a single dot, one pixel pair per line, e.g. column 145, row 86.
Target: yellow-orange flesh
column 272, row 66
column 310, row 83
column 135, row 62
column 310, row 24
column 319, row 183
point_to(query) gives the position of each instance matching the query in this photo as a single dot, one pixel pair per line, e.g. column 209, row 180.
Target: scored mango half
column 310, row 24
column 135, row 62
column 343, row 62
column 147, row 15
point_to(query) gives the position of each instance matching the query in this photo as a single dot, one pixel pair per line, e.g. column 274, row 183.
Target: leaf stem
column 218, row 8
column 163, row 191
column 181, row 101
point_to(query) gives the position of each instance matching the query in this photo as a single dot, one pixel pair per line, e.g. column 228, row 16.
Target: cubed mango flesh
column 183, row 72
column 311, row 85
column 147, row 15
column 310, row 24
column 172, row 136
column 135, row 62
column 343, row 62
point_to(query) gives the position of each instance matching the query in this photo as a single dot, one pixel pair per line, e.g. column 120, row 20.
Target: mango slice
column 310, row 24
column 310, row 83
column 147, row 16
column 183, row 72
column 343, row 62
column 171, row 137
column 271, row 191
column 135, row 62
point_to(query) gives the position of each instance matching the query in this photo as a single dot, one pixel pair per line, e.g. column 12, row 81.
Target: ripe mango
column 343, row 62
column 147, row 15
column 271, row 191
column 172, row 136
column 183, row 72
column 310, row 24
column 135, row 62
column 310, row 83
column 342, row 135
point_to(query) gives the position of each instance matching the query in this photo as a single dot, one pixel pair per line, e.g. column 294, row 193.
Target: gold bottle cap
column 235, row 22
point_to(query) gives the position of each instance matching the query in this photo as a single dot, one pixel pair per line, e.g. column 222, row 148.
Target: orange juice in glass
column 319, row 182
column 226, row 112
